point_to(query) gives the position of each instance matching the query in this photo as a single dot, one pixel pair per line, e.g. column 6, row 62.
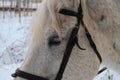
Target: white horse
column 101, row 18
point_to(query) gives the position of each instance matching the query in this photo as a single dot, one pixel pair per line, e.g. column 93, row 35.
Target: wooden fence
column 18, row 7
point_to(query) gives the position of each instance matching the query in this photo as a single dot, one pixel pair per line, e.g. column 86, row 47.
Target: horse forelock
column 54, row 6
column 48, row 10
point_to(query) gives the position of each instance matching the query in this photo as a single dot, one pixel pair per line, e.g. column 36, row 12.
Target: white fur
column 83, row 65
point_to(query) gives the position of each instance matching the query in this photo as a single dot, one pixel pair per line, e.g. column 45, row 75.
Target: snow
column 108, row 75
column 7, row 70
column 14, row 36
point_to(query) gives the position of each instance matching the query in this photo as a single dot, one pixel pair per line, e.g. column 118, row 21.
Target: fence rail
column 16, row 9
column 19, row 7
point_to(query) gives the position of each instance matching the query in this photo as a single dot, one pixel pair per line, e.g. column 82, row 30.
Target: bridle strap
column 27, row 76
column 102, row 70
column 79, row 16
column 92, row 44
column 71, row 43
column 67, row 53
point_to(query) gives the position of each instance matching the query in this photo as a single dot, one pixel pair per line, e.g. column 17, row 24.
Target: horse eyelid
column 53, row 41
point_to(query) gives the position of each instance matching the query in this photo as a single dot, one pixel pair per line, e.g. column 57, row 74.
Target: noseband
column 73, row 40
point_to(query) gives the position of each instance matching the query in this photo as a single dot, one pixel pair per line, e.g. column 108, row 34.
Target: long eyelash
column 53, row 40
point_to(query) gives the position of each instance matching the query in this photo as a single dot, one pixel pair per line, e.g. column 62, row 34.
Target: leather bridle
column 73, row 40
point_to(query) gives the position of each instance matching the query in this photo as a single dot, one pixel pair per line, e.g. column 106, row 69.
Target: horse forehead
column 62, row 3
column 65, row 31
column 68, row 23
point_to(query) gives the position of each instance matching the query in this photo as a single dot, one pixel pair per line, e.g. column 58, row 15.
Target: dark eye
column 53, row 41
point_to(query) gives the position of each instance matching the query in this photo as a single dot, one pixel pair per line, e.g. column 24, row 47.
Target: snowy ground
column 14, row 36
column 13, row 43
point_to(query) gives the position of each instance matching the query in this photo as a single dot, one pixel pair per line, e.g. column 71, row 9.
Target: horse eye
column 53, row 41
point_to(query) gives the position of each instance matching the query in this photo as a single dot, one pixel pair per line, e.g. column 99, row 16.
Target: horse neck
column 110, row 57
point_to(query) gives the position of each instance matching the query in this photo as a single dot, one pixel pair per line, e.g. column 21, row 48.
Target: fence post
column 3, row 9
column 18, row 6
column 11, row 5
